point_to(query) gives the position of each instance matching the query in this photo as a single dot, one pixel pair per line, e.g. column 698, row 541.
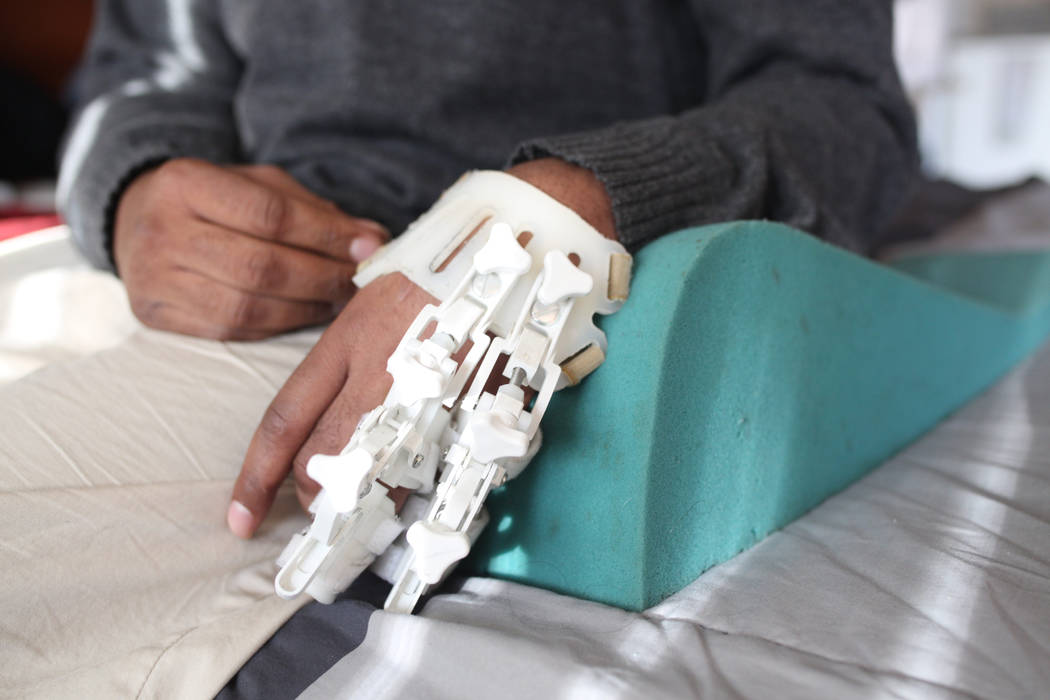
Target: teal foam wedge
column 754, row 372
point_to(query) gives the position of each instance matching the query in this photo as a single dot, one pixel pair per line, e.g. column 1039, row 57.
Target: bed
column 930, row 577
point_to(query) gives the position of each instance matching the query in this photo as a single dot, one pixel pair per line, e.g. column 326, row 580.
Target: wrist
column 572, row 185
column 120, row 212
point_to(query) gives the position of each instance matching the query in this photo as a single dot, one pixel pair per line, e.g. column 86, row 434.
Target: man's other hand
column 235, row 252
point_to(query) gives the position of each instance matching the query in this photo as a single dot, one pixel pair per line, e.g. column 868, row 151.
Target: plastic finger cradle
column 520, row 278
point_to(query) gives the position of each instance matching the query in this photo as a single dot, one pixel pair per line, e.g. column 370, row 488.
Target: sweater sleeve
column 804, row 122
column 157, row 82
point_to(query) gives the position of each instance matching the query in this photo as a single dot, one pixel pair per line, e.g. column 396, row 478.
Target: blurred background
column 978, row 72
column 41, row 42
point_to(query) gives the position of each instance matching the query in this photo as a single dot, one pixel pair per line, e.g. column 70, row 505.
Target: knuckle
column 198, row 245
column 330, row 239
column 276, row 423
column 177, row 169
column 242, row 311
column 271, row 213
column 223, row 333
column 147, row 310
column 148, row 226
column 255, row 483
column 269, row 170
column 341, row 286
column 166, row 174
column 262, row 270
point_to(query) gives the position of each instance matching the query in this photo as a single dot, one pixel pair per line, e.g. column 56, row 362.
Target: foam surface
column 754, row 372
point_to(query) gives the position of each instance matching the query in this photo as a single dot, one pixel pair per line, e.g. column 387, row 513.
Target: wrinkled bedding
column 928, row 578
column 53, row 305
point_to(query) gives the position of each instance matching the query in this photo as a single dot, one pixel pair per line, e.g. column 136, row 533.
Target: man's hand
column 574, row 186
column 235, row 252
column 345, row 376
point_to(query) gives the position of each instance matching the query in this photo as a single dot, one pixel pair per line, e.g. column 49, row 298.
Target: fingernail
column 362, row 247
column 240, row 520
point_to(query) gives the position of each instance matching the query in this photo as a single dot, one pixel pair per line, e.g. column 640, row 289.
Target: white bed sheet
column 929, row 578
column 53, row 305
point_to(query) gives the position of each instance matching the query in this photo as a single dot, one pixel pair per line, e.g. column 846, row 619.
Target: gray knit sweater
column 688, row 112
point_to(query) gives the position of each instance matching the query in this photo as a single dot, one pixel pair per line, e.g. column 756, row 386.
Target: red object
column 16, row 226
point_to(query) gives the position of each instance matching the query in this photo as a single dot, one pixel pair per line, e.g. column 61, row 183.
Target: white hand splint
column 520, row 277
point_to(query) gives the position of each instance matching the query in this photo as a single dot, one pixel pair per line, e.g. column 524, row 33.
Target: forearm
column 574, row 186
column 817, row 136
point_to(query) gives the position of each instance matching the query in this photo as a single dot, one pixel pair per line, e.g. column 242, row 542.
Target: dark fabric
column 688, row 112
column 937, row 204
column 307, row 645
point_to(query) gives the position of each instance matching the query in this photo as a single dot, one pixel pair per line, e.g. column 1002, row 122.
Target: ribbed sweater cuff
column 657, row 182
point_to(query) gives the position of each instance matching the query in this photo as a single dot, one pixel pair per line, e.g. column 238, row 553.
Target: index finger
column 236, row 201
column 284, row 428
